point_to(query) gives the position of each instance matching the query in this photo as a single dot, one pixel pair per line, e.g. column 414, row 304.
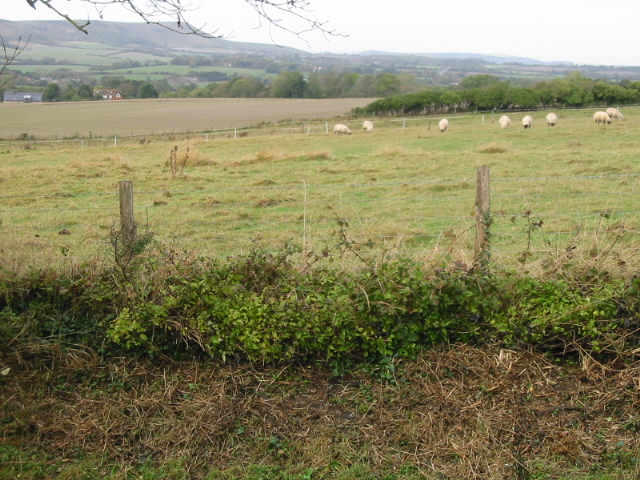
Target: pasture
column 403, row 189
column 455, row 411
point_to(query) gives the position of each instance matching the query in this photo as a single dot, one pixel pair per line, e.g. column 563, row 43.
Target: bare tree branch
column 10, row 54
column 277, row 13
column 296, row 9
column 82, row 27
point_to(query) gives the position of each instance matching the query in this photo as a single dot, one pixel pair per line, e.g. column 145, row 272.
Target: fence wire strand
column 364, row 218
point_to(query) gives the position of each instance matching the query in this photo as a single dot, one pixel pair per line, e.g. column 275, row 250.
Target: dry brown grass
column 459, row 412
column 492, row 148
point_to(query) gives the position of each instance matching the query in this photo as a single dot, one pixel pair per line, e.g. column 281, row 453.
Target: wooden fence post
column 483, row 218
column 127, row 222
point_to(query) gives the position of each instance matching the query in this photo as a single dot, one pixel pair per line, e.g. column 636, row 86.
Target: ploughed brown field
column 145, row 117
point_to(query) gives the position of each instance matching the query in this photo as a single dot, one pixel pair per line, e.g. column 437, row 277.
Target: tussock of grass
column 204, row 162
column 210, row 201
column 396, row 151
column 317, row 155
column 492, row 148
column 450, row 186
column 261, row 156
column 263, row 183
column 268, row 155
column 275, row 155
column 267, row 202
column 332, row 171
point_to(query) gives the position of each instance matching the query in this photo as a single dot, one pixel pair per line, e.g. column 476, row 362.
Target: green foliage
column 541, row 312
column 480, row 81
column 84, row 91
column 488, row 92
column 52, row 93
column 147, row 91
column 288, row 85
column 239, row 87
column 261, row 308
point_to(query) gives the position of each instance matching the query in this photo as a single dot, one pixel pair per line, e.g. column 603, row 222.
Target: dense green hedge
column 487, row 92
column 261, row 308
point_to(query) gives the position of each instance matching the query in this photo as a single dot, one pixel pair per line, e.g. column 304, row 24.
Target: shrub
column 260, row 308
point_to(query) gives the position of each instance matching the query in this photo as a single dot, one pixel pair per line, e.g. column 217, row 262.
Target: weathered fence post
column 483, row 218
column 127, row 222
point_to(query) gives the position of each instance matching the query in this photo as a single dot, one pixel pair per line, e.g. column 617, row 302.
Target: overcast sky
column 579, row 31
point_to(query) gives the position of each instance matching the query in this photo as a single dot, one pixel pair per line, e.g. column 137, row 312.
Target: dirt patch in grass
column 460, row 412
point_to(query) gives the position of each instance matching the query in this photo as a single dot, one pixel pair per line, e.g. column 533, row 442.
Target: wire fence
column 530, row 217
column 303, row 127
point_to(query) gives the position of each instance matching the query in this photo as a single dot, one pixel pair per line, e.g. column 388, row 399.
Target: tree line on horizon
column 399, row 94
column 488, row 92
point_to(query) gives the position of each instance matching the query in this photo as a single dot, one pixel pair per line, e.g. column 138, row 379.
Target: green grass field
column 408, row 191
column 459, row 411
column 185, row 69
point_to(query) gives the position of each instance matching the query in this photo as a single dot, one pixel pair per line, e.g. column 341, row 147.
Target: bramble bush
column 262, row 308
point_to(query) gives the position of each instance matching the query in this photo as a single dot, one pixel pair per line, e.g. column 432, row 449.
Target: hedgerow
column 263, row 308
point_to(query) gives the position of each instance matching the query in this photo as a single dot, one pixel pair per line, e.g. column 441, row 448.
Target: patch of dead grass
column 396, row 151
column 492, row 148
column 457, row 412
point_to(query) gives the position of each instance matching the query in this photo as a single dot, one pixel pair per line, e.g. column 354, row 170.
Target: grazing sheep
column 614, row 113
column 340, row 129
column 552, row 119
column 443, row 124
column 504, row 121
column 601, row 117
column 527, row 121
column 367, row 126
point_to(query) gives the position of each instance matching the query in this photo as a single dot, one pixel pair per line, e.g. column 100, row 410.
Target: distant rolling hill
column 492, row 58
column 143, row 37
column 130, row 36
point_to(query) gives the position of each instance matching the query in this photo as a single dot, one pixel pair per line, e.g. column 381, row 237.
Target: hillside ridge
column 143, row 36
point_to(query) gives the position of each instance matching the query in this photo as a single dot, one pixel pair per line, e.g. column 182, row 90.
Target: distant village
column 36, row 97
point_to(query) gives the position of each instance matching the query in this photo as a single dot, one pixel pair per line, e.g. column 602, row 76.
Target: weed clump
column 491, row 148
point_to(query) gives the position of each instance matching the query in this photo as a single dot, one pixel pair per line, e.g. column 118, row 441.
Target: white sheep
column 340, row 129
column 367, row 126
column 527, row 121
column 601, row 117
column 443, row 124
column 552, row 119
column 614, row 113
column 504, row 121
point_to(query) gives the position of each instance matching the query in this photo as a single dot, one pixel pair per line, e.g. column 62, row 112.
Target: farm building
column 22, row 97
column 107, row 94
